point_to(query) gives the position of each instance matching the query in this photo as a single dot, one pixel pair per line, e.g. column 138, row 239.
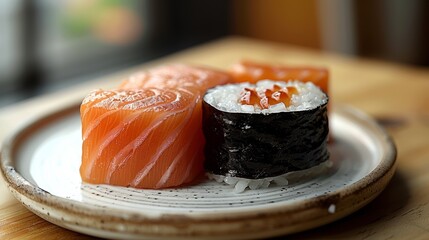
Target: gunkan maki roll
column 258, row 133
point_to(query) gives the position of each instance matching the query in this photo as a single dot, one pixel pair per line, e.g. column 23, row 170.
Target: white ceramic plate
column 40, row 163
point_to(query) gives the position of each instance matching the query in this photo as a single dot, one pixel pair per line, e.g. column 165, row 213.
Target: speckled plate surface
column 40, row 164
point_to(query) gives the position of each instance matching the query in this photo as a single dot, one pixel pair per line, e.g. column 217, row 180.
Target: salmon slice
column 146, row 138
column 173, row 76
column 148, row 133
column 248, row 71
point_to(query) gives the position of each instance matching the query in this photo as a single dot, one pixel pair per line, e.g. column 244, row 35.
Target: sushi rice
column 224, row 98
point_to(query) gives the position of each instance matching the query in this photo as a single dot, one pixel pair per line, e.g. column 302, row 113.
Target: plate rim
column 20, row 187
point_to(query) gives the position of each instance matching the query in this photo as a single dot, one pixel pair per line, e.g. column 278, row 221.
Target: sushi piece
column 148, row 133
column 141, row 138
column 193, row 78
column 258, row 133
column 248, row 71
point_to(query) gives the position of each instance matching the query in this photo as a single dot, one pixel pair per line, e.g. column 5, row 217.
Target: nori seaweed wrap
column 263, row 144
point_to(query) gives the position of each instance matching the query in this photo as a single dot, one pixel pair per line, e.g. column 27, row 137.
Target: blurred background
column 47, row 45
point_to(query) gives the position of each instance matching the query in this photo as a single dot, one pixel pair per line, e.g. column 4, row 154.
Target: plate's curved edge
column 388, row 164
column 12, row 178
column 368, row 187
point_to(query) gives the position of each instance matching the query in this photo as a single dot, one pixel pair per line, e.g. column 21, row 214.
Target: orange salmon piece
column 146, row 138
column 148, row 133
column 248, row 71
column 177, row 76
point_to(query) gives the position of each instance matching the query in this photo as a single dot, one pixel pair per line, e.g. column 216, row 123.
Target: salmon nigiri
column 147, row 134
column 248, row 71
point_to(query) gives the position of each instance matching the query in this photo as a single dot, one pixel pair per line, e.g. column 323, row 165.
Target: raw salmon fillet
column 141, row 138
column 148, row 133
column 249, row 71
column 197, row 79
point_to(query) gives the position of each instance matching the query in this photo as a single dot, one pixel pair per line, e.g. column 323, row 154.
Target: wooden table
column 396, row 95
